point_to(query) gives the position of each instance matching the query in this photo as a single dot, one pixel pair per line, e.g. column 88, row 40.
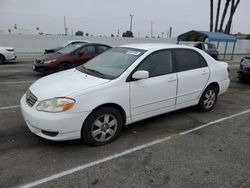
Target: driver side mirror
column 141, row 74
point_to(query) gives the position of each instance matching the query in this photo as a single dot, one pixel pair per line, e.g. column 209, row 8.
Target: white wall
column 37, row 43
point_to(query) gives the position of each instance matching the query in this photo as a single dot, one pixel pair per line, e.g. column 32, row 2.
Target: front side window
column 102, row 49
column 158, row 63
column 187, row 60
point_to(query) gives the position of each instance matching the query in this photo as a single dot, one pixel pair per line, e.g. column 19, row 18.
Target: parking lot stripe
column 9, row 107
column 20, row 82
column 126, row 152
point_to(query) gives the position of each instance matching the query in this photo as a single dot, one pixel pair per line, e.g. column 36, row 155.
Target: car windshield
column 112, row 63
column 70, row 48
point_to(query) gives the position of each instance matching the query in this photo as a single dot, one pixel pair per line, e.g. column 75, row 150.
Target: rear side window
column 158, row 63
column 88, row 50
column 101, row 49
column 188, row 60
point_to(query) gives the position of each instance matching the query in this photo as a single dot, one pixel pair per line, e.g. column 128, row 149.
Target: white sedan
column 121, row 86
column 7, row 54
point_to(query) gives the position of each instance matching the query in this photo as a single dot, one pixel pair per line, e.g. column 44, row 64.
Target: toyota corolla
column 121, row 86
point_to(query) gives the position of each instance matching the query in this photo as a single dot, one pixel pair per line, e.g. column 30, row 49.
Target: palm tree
column 217, row 15
column 230, row 20
column 224, row 15
column 211, row 15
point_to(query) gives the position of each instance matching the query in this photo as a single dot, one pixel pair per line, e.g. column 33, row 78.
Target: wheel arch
column 115, row 106
column 215, row 84
column 65, row 62
column 3, row 57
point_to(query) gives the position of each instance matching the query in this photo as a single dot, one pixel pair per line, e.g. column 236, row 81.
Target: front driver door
column 156, row 94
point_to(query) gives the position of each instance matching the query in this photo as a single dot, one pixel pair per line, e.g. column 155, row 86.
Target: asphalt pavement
column 185, row 148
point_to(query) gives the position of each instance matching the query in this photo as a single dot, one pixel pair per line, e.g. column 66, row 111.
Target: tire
column 208, row 99
column 64, row 66
column 1, row 59
column 242, row 78
column 103, row 126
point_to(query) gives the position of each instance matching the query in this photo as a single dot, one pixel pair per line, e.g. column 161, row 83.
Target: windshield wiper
column 90, row 71
column 95, row 72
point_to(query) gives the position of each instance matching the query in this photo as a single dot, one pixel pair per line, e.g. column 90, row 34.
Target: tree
column 211, row 15
column 224, row 15
column 79, row 33
column 230, row 20
column 112, row 35
column 87, row 34
column 128, row 34
column 217, row 16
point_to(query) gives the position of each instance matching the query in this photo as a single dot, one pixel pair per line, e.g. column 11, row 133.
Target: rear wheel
column 64, row 66
column 102, row 126
column 208, row 99
column 1, row 59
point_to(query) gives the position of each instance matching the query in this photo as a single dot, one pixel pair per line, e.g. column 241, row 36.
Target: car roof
column 152, row 46
column 71, row 41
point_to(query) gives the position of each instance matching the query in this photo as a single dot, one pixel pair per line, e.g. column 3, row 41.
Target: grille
column 39, row 61
column 30, row 98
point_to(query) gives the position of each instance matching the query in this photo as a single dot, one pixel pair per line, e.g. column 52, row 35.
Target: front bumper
column 53, row 126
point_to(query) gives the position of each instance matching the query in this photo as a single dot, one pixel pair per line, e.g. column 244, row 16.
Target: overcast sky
column 103, row 17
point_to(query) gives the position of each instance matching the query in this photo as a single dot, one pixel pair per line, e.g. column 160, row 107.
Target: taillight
column 10, row 49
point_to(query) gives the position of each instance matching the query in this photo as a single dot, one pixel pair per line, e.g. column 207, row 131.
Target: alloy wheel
column 104, row 128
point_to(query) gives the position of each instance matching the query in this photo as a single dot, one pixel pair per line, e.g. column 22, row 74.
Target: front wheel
column 208, row 99
column 102, row 126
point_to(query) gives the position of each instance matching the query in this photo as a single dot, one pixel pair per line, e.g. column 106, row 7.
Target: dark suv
column 68, row 57
column 209, row 48
column 244, row 72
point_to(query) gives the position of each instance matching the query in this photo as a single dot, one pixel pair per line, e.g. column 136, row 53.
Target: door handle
column 204, row 73
column 172, row 79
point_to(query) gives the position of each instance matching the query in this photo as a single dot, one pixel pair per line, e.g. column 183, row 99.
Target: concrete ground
column 214, row 156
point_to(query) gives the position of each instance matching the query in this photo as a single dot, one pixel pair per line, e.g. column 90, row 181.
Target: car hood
column 50, row 56
column 64, row 83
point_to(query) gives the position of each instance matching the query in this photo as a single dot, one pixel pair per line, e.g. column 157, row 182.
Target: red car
column 68, row 57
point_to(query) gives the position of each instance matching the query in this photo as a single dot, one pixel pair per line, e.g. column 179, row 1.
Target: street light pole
column 131, row 22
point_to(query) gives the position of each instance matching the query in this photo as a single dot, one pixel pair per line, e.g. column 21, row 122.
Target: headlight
column 49, row 61
column 56, row 105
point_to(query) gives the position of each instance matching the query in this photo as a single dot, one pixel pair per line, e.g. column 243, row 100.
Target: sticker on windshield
column 133, row 53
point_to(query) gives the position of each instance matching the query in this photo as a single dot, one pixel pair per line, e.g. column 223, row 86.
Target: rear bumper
column 224, row 85
column 11, row 57
column 242, row 73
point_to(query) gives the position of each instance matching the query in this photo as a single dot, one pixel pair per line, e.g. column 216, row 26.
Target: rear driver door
column 193, row 74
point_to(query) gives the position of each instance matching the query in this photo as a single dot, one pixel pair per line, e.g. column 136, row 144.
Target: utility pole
column 65, row 27
column 152, row 27
column 170, row 32
column 131, row 22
